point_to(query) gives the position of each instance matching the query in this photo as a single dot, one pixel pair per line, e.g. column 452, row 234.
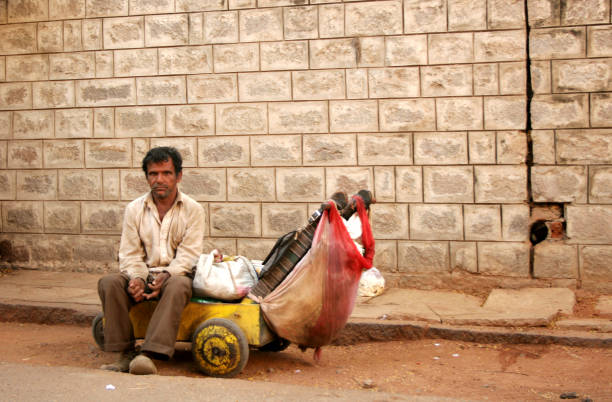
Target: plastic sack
column 315, row 300
column 371, row 283
column 227, row 280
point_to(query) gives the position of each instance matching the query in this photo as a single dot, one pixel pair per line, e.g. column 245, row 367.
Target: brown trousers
column 163, row 327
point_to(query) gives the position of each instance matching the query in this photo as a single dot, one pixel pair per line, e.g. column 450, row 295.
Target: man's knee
column 112, row 283
column 179, row 285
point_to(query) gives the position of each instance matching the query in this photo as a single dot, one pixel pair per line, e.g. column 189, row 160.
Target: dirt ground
column 425, row 367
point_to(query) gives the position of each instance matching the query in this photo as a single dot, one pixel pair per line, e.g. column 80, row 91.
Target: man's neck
column 164, row 204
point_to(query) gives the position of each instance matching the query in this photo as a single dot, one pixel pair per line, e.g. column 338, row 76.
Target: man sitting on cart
column 161, row 241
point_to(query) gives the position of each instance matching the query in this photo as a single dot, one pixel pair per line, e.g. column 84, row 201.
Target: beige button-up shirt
column 149, row 245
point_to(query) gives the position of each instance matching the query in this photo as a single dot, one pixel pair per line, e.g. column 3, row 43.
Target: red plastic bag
column 314, row 302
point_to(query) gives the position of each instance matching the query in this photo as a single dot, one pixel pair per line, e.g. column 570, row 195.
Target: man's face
column 163, row 179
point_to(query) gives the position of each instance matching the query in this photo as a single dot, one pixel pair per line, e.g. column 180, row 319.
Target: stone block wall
column 470, row 121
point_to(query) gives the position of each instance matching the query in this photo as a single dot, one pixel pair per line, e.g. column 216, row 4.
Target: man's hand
column 156, row 286
column 136, row 289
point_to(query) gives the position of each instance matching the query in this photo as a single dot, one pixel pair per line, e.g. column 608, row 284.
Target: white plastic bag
column 371, row 283
column 227, row 280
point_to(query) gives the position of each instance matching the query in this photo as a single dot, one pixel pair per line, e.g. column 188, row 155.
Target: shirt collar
column 151, row 204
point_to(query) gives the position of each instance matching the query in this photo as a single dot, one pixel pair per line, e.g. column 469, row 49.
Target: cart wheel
column 277, row 345
column 97, row 329
column 219, row 348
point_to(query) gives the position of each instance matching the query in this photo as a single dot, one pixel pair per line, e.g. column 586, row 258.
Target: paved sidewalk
column 542, row 315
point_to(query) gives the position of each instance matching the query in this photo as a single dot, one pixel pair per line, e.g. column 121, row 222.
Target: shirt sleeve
column 131, row 251
column 190, row 248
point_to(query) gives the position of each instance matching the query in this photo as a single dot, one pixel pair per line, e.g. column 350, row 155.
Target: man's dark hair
column 162, row 154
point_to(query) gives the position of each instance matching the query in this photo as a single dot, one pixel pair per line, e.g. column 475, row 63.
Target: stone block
column 255, row 248
column 6, row 119
column 36, row 184
column 80, row 184
column 481, row 147
column 278, row 150
column 496, row 184
column 446, row 80
column 486, row 79
column 315, row 85
column 151, row 7
column 186, row 146
column 591, row 75
column 466, row 15
column 579, row 12
column 22, row 216
column 226, row 246
column 371, row 52
column 584, row 146
column 374, row 18
column 448, row 148
column 348, row 179
column 267, row 86
column 140, row 148
column 65, row 66
column 511, row 147
column 244, row 118
column 385, row 149
column 66, row 9
column 24, row 154
column 212, row 88
column 15, row 96
column 278, row 219
column 557, row 43
column 133, row 184
column 204, row 184
column 102, row 217
column 300, row 22
column 18, row 39
column 27, row 11
column 424, row 16
column 334, row 53
column 196, row 28
column 250, row 184
column 448, row 184
column 512, row 78
column 135, row 62
column 108, row 153
column 73, row 123
column 284, row 55
column 589, row 223
column 3, row 153
column 73, row 33
column 50, row 36
column 559, row 183
column 109, row 92
column 354, row 115
column 92, row 34
column 505, row 112
column 560, row 111
column 384, row 183
column 2, row 68
column 236, row 57
column 600, row 184
column 515, row 222
column 298, row 117
column 436, row 222
column 62, row 217
column 357, row 83
column 450, row 48
column 261, row 25
column 124, row 32
column 221, row 27
column 409, row 184
column 423, row 257
column 595, row 263
column 53, row 94
column 33, row 67
column 201, row 5
column 140, row 121
column 331, row 20
column 235, row 219
column 503, row 259
column 328, row 150
column 544, row 13
column 31, row 124
column 555, row 260
column 499, row 46
column 541, row 77
column 185, row 60
column 190, row 120
column 599, row 41
column 393, row 82
column 463, row 113
column 390, row 221
column 543, row 146
column 223, row 151
column 104, row 64
column 482, row 222
column 463, row 256
column 300, row 184
column 161, row 90
column 407, row 115
column 601, row 109
column 104, row 122
column 504, row 14
column 110, row 184
column 406, row 50
column 166, row 30
column 106, row 8
column 64, row 154
column 385, row 258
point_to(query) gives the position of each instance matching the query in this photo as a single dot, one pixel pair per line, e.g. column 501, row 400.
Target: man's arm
column 190, row 248
column 131, row 250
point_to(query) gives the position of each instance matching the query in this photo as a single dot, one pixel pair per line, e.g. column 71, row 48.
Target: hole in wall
column 538, row 232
